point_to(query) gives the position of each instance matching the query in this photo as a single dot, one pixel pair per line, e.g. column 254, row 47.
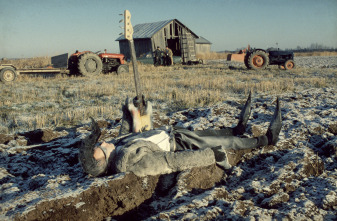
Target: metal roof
column 202, row 40
column 147, row 30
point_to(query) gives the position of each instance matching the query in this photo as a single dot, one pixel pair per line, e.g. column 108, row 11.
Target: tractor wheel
column 290, row 64
column 258, row 60
column 246, row 61
column 90, row 64
column 122, row 69
column 7, row 75
column 73, row 71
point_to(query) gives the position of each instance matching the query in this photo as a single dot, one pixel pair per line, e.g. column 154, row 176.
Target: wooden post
column 138, row 85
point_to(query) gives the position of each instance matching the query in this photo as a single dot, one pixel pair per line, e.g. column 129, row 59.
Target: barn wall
column 142, row 46
column 124, row 48
column 172, row 32
column 158, row 39
column 202, row 48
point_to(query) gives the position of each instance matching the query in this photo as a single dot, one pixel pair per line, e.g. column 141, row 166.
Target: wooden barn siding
column 158, row 39
column 124, row 48
column 142, row 46
column 202, row 48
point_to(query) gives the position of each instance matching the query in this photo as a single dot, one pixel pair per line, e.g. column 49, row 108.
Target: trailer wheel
column 258, row 60
column 7, row 75
column 122, row 69
column 290, row 64
column 90, row 64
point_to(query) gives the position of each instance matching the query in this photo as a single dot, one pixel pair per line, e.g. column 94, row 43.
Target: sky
column 33, row 28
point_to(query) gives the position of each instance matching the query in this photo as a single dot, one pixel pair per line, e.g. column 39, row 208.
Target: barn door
column 187, row 46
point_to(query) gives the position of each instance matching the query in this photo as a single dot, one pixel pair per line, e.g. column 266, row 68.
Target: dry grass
column 212, row 56
column 317, row 53
column 38, row 62
column 37, row 102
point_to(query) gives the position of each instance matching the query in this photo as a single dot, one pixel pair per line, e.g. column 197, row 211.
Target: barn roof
column 147, row 30
column 202, row 40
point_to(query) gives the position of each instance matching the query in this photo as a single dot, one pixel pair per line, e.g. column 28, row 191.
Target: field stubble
column 61, row 101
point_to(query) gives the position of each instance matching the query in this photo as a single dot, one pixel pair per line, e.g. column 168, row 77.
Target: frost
column 274, row 182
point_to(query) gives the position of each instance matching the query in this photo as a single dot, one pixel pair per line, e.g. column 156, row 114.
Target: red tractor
column 88, row 63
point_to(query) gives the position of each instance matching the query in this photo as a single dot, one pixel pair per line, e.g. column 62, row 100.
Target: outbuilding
column 202, row 45
column 172, row 33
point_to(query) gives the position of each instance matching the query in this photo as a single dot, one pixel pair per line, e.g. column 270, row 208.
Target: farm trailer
column 9, row 72
column 80, row 63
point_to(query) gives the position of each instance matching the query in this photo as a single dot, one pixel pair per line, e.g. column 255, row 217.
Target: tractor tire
column 8, row 74
column 90, row 64
column 258, row 60
column 290, row 64
column 73, row 72
column 246, row 61
column 122, row 69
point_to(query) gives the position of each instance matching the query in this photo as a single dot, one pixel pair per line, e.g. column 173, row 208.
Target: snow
column 268, row 184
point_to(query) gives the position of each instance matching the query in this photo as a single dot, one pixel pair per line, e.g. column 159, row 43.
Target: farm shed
column 202, row 45
column 174, row 34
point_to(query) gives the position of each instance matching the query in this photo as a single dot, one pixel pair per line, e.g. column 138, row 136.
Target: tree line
column 312, row 47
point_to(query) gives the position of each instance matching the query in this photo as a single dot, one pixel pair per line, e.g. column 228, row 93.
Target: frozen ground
column 297, row 179
column 317, row 61
column 273, row 184
column 41, row 178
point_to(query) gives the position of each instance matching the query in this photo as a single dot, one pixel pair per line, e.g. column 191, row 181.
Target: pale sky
column 31, row 28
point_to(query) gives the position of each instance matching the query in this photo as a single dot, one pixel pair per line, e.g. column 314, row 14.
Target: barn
column 202, row 45
column 172, row 33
